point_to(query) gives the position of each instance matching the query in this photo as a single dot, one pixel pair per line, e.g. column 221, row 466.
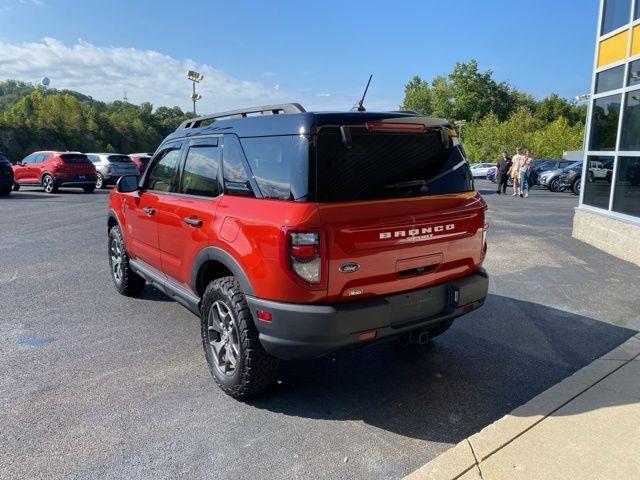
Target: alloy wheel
column 99, row 182
column 47, row 183
column 223, row 338
column 115, row 258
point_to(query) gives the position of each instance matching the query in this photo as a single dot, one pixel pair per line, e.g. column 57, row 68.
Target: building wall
column 608, row 215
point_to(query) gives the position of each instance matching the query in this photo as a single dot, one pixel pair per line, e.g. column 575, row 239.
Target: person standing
column 526, row 167
column 514, row 171
column 502, row 172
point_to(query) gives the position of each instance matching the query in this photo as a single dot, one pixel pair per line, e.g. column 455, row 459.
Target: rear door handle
column 194, row 222
column 149, row 210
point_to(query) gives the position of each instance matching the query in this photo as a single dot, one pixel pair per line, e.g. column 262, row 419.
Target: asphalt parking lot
column 96, row 385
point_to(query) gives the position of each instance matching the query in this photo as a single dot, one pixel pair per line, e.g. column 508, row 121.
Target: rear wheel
column 89, row 188
column 127, row 281
column 575, row 186
column 238, row 362
column 48, row 184
column 100, row 183
column 554, row 185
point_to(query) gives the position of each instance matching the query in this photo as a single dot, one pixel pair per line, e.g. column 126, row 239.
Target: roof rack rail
column 277, row 109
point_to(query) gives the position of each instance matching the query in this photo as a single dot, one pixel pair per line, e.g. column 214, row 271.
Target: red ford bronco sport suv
column 52, row 170
column 295, row 234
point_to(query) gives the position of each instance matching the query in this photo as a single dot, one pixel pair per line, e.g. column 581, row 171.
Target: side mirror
column 19, row 163
column 127, row 184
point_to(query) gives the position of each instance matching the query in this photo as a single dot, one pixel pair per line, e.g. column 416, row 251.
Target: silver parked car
column 111, row 166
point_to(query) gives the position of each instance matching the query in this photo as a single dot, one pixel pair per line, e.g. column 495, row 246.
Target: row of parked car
column 52, row 170
column 556, row 174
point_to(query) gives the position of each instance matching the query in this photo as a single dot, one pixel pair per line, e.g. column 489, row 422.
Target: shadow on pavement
column 487, row 364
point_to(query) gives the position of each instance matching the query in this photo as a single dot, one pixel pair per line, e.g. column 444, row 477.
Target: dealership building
column 608, row 215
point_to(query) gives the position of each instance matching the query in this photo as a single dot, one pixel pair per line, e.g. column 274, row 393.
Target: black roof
column 297, row 122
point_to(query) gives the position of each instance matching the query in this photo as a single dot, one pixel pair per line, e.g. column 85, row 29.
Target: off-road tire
column 255, row 369
column 89, row 188
column 131, row 283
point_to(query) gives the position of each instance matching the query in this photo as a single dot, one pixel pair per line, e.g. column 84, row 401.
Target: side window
column 28, row 159
column 164, row 170
column 233, row 172
column 200, row 172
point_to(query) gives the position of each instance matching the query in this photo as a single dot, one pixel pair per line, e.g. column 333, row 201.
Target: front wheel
column 48, row 184
column 127, row 281
column 554, row 185
column 238, row 362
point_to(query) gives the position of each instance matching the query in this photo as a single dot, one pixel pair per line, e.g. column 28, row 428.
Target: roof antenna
column 358, row 107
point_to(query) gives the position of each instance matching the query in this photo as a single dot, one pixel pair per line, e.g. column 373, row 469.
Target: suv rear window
column 74, row 158
column 119, row 158
column 394, row 165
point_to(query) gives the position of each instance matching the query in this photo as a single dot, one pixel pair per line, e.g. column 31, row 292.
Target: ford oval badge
column 349, row 267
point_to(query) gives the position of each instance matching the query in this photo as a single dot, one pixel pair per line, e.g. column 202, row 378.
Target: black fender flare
column 217, row 254
column 113, row 215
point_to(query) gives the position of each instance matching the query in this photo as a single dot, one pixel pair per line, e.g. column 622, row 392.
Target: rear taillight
column 396, row 127
column 304, row 251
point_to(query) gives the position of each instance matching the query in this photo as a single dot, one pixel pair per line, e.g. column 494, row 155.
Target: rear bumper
column 305, row 331
column 74, row 181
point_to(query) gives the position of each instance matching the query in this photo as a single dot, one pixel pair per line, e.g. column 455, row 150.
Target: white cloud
column 105, row 73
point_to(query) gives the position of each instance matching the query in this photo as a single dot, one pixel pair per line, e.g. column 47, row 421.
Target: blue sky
column 319, row 53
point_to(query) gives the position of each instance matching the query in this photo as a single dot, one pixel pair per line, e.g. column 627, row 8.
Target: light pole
column 460, row 124
column 195, row 77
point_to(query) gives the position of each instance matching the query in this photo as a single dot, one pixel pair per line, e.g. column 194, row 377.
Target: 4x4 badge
column 349, row 267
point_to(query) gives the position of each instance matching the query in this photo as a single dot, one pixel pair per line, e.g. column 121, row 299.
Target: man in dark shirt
column 502, row 172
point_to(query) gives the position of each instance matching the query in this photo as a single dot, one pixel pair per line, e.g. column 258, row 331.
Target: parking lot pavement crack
column 475, row 457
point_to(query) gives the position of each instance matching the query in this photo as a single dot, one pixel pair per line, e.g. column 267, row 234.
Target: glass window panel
column 611, row 79
column 634, row 72
column 604, row 123
column 616, row 14
column 631, row 122
column 627, row 196
column 164, row 170
column 597, row 188
column 200, row 172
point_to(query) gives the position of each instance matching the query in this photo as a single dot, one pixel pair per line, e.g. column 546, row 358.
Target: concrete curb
column 463, row 460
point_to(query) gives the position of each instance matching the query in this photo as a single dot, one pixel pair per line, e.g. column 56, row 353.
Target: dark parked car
column 571, row 178
column 549, row 175
column 6, row 176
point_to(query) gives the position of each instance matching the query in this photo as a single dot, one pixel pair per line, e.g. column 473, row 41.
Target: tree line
column 37, row 119
column 499, row 117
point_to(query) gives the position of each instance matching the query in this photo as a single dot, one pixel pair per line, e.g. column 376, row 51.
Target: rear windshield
column 119, row 158
column 388, row 165
column 74, row 158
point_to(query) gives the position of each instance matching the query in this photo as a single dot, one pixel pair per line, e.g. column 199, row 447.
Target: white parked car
column 479, row 170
